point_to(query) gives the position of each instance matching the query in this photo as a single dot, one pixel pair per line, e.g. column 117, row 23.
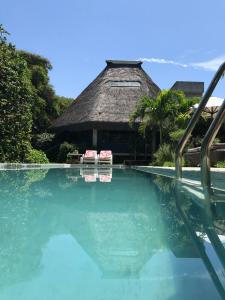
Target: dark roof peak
column 190, row 88
column 188, row 82
column 127, row 63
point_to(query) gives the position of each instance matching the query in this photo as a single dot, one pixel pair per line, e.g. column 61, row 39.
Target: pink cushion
column 90, row 153
column 90, row 178
column 105, row 178
column 105, row 154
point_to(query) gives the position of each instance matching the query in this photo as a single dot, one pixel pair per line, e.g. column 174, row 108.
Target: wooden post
column 95, row 137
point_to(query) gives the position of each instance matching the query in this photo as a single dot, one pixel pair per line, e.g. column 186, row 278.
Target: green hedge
column 36, row 157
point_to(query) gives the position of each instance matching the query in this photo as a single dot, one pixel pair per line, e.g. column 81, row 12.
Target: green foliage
column 39, row 81
column 47, row 106
column 16, row 99
column 169, row 111
column 64, row 149
column 28, row 103
column 169, row 164
column 35, row 60
column 60, row 104
column 220, row 164
column 168, row 114
column 165, row 156
column 165, row 153
column 177, row 134
column 43, row 140
column 36, row 157
column 143, row 104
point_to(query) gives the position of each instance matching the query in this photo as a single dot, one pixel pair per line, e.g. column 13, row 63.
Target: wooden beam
column 95, row 137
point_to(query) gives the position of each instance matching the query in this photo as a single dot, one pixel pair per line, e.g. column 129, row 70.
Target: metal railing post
column 206, row 144
column 183, row 141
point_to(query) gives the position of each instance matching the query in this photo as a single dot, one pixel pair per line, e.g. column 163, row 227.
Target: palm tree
column 168, row 112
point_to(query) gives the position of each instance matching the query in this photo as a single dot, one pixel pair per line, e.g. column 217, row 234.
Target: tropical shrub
column 168, row 112
column 166, row 117
column 36, row 157
column 64, row 149
column 164, row 154
column 220, row 164
column 169, row 164
column 177, row 134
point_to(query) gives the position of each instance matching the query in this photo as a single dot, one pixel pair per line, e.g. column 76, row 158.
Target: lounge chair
column 105, row 157
column 105, row 175
column 90, row 156
column 90, row 178
column 89, row 174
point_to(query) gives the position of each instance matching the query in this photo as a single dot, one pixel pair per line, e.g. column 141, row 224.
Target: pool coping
column 23, row 166
column 191, row 174
column 158, row 169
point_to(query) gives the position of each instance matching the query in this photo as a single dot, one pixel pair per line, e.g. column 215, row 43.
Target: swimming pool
column 107, row 234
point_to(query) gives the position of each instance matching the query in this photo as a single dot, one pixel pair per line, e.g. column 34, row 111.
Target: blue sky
column 178, row 40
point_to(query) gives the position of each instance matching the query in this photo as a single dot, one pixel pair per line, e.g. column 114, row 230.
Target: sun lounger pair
column 91, row 156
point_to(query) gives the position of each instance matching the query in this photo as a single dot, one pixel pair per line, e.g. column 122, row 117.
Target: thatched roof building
column 110, row 99
column 107, row 103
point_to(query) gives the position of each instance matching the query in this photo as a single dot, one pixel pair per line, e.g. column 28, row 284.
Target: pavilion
column 99, row 117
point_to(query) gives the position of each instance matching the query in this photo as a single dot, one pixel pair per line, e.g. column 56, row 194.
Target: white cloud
column 163, row 61
column 210, row 65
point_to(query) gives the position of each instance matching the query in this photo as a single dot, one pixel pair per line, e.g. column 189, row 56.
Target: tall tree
column 16, row 96
column 47, row 106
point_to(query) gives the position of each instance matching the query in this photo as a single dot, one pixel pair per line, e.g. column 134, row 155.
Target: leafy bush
column 163, row 154
column 177, row 134
column 36, row 157
column 169, row 164
column 64, row 149
column 16, row 98
column 220, row 164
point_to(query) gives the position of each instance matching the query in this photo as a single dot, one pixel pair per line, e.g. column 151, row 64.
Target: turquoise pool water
column 106, row 235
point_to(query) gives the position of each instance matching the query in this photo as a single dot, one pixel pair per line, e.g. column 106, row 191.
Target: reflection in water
column 199, row 212
column 104, row 174
column 64, row 238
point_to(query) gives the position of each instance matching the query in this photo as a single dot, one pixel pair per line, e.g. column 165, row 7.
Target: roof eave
column 106, row 126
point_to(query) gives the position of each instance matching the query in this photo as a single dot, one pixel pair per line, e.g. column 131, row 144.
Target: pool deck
column 189, row 173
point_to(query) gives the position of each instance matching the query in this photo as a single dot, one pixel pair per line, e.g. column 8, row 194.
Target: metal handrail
column 206, row 144
column 183, row 141
column 199, row 245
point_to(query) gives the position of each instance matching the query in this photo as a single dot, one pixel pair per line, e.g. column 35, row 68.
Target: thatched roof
column 110, row 99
